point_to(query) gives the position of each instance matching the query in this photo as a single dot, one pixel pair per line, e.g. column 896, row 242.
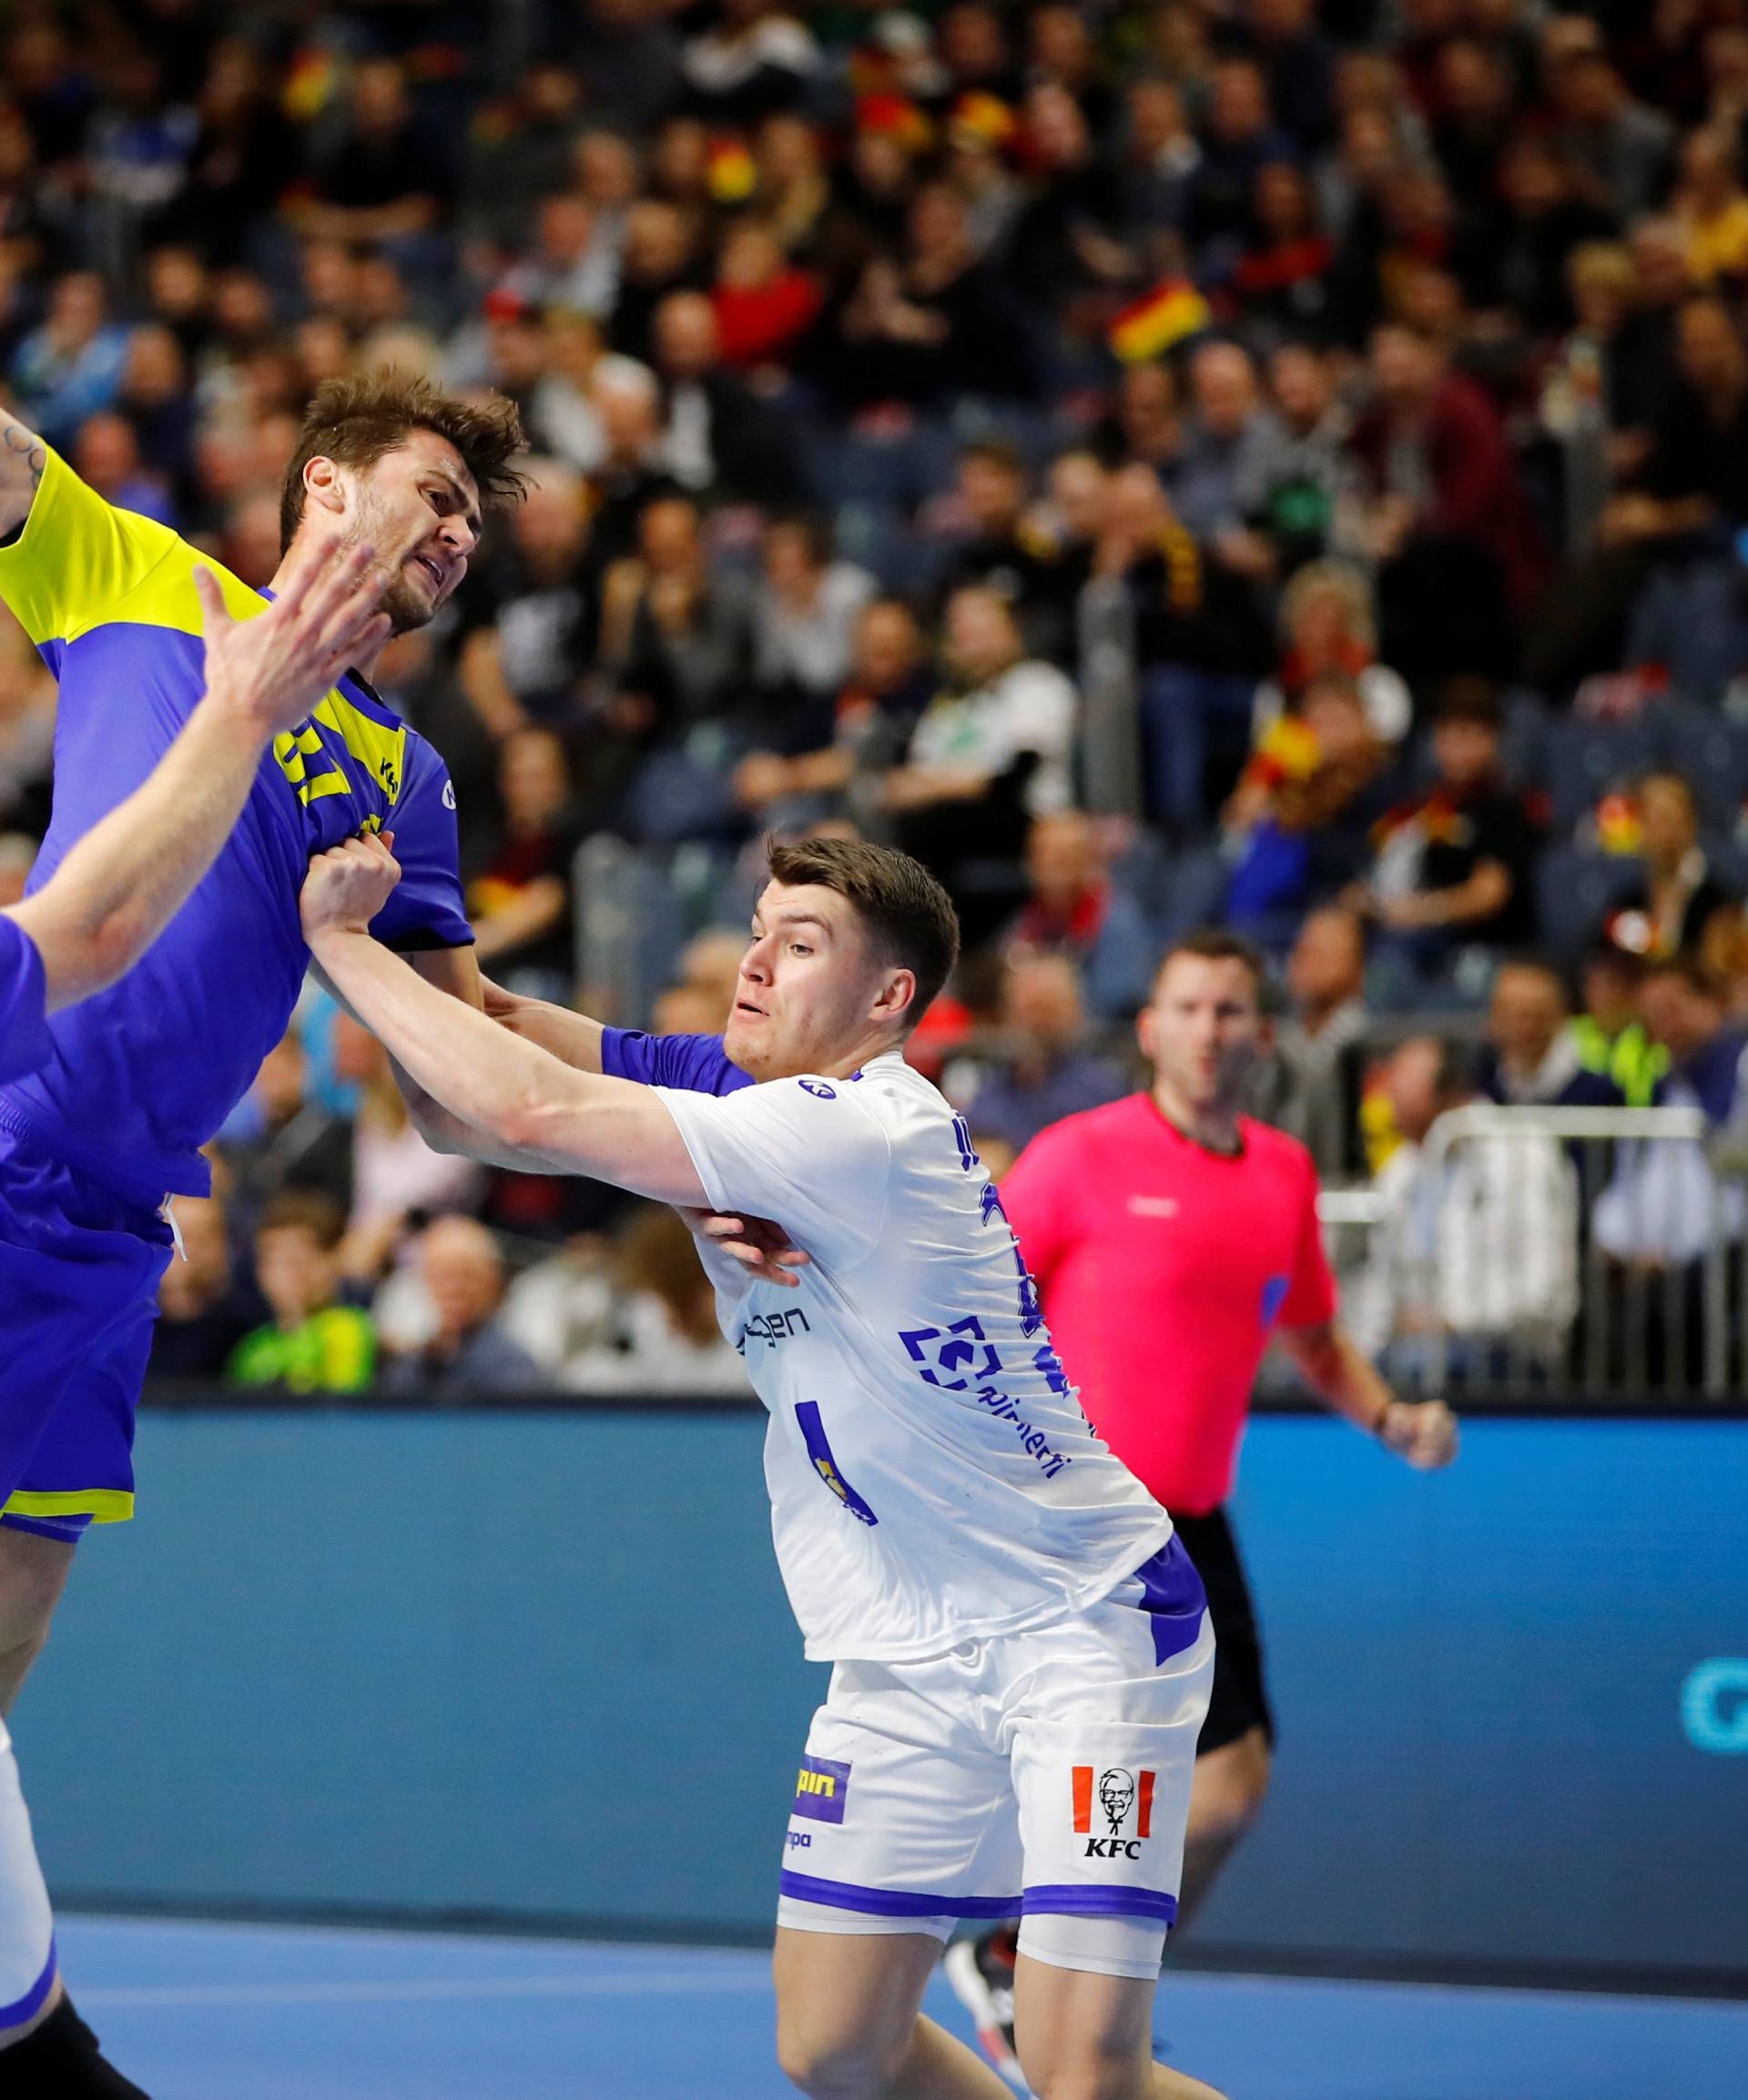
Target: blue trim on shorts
column 31, row 2004
column 1172, row 1597
column 892, row 1903
column 1079, row 1899
column 69, row 1530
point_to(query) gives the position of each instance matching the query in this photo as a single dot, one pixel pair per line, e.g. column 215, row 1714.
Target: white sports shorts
column 1043, row 1773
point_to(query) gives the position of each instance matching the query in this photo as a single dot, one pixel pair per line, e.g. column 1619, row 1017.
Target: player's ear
column 1144, row 1031
column 895, row 997
column 322, row 485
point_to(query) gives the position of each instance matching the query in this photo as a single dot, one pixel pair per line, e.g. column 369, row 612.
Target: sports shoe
column 981, row 1972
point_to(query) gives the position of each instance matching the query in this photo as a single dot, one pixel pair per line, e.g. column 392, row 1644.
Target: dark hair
column 359, row 417
column 1469, row 699
column 1686, row 965
column 1671, row 777
column 1216, row 944
column 998, row 451
column 910, row 916
column 307, row 1210
column 1537, row 966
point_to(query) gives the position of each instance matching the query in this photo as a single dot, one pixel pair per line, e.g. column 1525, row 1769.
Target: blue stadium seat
column 1586, row 758
column 1576, row 888
column 1711, row 750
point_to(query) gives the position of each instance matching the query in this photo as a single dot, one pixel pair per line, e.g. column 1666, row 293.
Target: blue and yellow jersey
column 140, row 1076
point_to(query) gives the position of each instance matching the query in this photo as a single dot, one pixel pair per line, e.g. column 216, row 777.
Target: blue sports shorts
column 79, row 1269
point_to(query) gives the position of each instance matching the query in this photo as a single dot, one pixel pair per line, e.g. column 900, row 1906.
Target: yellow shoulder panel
column 77, row 558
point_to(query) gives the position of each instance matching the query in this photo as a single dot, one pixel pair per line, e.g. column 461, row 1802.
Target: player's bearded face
column 407, row 509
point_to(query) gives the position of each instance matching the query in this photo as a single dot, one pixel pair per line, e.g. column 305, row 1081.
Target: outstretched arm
column 514, row 1092
column 23, row 461
column 122, row 884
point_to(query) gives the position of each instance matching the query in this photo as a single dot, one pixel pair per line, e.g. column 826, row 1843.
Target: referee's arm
column 1343, row 1377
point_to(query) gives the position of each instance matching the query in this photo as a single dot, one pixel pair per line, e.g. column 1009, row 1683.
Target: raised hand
column 763, row 1250
column 348, row 885
column 273, row 669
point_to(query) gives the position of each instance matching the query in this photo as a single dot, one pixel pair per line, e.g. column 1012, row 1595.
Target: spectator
column 1696, row 476
column 1311, row 1088
column 1004, row 550
column 1299, row 492
column 804, row 614
column 71, row 366
column 631, row 474
column 397, row 1178
column 1667, row 911
column 991, row 753
column 1622, row 145
column 822, row 763
column 674, row 639
column 1610, row 1036
column 1667, row 1209
column 468, row 1350
column 665, row 1335
column 381, row 180
column 1534, row 1058
column 523, row 663
column 204, row 1310
column 1043, row 1068
column 283, row 1137
column 757, row 58
column 1327, row 626
column 764, row 305
column 1472, row 1271
column 1073, row 908
column 106, row 455
column 1710, row 206
column 1452, row 867
column 1449, row 523
column 719, row 435
column 1193, row 632
column 520, row 901
column 1230, row 442
column 570, row 266
column 1300, row 823
column 313, row 1343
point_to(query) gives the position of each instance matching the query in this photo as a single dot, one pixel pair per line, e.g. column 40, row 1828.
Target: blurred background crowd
column 1239, row 460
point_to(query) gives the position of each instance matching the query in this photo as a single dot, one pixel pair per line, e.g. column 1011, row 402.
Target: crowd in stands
column 1156, row 459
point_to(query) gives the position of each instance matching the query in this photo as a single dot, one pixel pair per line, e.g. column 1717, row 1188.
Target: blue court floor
column 210, row 2012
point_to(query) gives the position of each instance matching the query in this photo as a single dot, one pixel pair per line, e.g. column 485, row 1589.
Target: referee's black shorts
column 1240, row 1700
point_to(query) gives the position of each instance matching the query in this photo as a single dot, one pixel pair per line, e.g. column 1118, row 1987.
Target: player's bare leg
column 33, row 1574
column 1225, row 1796
column 849, row 2023
column 1082, row 2036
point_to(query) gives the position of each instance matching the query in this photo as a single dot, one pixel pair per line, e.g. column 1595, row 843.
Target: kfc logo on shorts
column 821, row 1790
column 1124, row 1800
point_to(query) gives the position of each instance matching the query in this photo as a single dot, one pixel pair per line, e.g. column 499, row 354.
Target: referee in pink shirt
column 1172, row 1238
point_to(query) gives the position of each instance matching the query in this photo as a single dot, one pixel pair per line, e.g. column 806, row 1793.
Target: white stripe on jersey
column 932, row 1477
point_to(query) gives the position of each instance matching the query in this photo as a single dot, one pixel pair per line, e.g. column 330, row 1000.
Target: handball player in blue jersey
column 104, row 1128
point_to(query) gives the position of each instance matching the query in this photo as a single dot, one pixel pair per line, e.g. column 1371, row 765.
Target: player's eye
column 799, row 948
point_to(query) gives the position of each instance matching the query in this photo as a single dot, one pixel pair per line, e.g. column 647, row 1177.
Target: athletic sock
column 26, row 1925
column 60, row 2061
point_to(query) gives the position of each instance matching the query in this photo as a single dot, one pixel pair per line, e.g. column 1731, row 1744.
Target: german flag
column 730, row 172
column 1169, row 313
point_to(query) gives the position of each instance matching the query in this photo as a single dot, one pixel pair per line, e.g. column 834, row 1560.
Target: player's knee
column 828, row 2064
column 1088, row 2073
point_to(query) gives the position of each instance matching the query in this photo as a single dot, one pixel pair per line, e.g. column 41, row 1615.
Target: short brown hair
column 359, row 417
column 910, row 916
column 310, row 1210
column 1217, row 945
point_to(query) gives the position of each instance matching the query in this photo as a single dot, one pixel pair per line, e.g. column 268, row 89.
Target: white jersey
column 932, row 1477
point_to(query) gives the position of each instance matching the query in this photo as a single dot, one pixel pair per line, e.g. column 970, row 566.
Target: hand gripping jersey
column 932, row 1478
column 138, row 1077
column 24, row 1023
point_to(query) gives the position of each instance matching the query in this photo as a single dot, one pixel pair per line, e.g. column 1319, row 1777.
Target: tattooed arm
column 23, row 460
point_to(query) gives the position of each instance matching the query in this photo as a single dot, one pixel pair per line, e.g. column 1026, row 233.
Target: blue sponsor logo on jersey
column 819, row 1089
column 772, row 1328
column 813, row 1434
column 1274, row 1298
column 961, row 1348
column 821, row 1790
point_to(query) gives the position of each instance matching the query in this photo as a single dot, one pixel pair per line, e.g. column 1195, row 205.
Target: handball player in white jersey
column 1021, row 1653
